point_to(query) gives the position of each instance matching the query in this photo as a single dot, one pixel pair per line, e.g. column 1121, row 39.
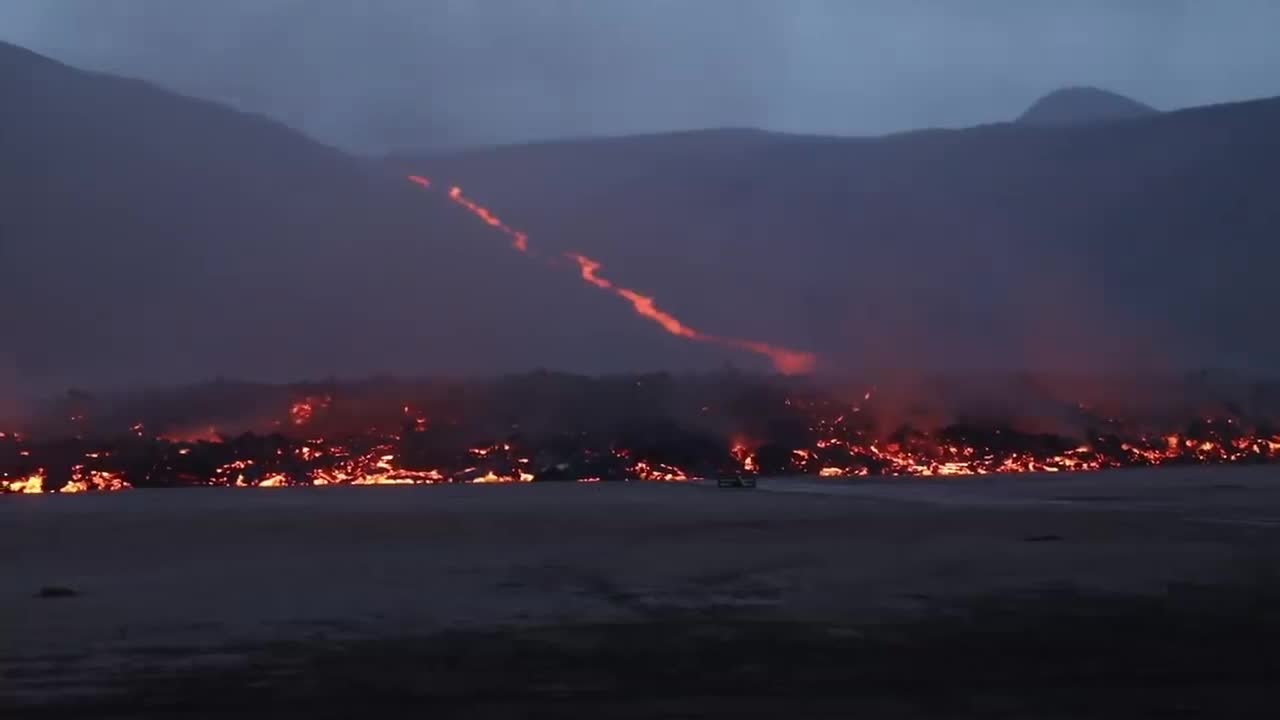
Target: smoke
column 409, row 74
column 11, row 405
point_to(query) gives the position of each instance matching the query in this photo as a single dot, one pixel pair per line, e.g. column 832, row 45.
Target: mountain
column 150, row 237
column 1139, row 242
column 1075, row 106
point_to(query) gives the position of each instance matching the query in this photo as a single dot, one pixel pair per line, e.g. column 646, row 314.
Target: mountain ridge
column 150, row 237
column 1055, row 201
column 154, row 239
column 1081, row 105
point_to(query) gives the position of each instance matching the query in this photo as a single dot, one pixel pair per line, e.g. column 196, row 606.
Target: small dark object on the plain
column 736, row 482
column 1042, row 538
column 56, row 591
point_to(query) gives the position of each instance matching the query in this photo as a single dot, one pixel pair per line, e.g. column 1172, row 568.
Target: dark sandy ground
column 1127, row 594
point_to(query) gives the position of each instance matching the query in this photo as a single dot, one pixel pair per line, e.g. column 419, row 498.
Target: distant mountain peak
column 1074, row 106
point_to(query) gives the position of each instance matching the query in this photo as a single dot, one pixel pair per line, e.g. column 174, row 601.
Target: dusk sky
column 374, row 76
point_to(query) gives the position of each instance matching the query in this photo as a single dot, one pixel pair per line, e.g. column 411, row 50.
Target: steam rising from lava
column 786, row 361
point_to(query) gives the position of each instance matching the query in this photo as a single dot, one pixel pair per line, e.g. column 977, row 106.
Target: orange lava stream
column 786, row 361
column 643, row 304
column 519, row 240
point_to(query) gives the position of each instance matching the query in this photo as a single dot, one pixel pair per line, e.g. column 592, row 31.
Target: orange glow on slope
column 786, row 361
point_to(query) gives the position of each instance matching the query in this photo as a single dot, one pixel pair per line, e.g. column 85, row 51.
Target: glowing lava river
column 785, row 361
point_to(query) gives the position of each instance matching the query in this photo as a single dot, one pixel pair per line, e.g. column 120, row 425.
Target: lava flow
column 633, row 428
column 786, row 361
column 519, row 240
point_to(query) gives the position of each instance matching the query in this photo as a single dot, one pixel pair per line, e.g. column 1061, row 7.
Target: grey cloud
column 404, row 73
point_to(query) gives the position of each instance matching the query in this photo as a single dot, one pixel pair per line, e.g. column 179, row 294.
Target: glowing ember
column 32, row 484
column 485, row 451
column 274, row 480
column 301, row 412
column 491, row 477
column 657, row 472
column 744, row 458
column 83, row 480
column 786, row 361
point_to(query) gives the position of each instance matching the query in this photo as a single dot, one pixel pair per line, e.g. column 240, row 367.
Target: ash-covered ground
column 1113, row 594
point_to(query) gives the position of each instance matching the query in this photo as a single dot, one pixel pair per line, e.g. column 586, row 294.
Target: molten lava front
column 324, row 438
